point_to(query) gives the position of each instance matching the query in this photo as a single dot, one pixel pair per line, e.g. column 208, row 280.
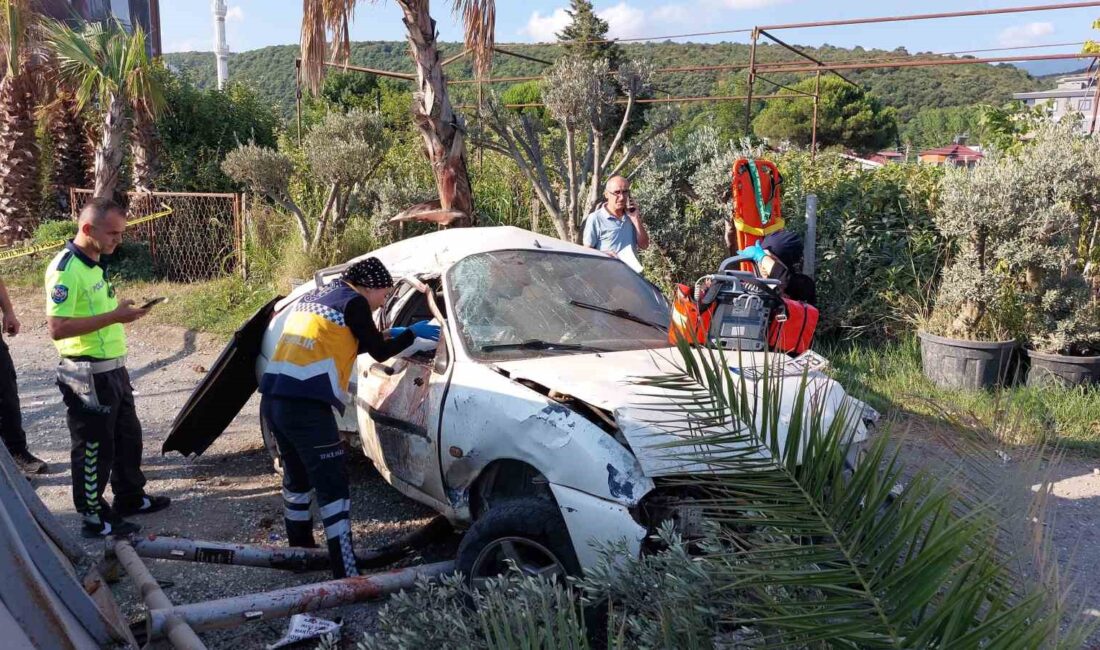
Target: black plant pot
column 973, row 365
column 1062, row 370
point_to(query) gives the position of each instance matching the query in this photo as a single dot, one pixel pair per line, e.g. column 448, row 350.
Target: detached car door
column 399, row 401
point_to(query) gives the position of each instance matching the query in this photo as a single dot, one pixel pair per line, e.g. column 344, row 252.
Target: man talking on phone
column 616, row 226
column 85, row 321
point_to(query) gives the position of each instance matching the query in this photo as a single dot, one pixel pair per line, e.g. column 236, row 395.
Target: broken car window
column 506, row 298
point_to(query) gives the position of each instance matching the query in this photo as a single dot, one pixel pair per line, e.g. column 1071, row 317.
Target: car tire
column 528, row 530
column 271, row 446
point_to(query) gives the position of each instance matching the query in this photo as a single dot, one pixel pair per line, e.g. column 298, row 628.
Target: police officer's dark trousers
column 313, row 459
column 105, row 432
column 11, row 417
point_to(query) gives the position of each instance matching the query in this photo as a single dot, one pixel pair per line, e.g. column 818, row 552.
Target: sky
column 187, row 24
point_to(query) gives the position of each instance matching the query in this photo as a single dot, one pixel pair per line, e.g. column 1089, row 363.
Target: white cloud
column 624, row 21
column 185, row 45
column 750, row 4
column 1021, row 35
column 235, row 14
column 544, row 29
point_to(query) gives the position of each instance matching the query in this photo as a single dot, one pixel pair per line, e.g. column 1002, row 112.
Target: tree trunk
column 108, row 153
column 18, row 160
column 440, row 128
column 143, row 150
column 71, row 154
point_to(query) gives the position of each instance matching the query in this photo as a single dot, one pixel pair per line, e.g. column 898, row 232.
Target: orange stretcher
column 757, row 206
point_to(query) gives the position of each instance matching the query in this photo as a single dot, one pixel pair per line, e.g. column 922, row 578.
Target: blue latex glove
column 425, row 330
column 754, row 252
column 397, row 331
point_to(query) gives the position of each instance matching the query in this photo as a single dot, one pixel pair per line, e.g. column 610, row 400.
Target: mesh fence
column 199, row 239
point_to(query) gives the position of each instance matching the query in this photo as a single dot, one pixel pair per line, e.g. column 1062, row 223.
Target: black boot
column 105, row 524
column 300, row 534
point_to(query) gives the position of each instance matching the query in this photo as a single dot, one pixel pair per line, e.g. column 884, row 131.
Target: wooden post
column 809, row 246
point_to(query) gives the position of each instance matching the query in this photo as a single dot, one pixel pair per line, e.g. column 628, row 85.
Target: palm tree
column 442, row 130
column 111, row 69
column 70, row 147
column 19, row 155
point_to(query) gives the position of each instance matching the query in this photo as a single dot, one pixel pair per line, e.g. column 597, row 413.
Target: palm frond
column 320, row 18
column 479, row 18
column 15, row 29
column 820, row 548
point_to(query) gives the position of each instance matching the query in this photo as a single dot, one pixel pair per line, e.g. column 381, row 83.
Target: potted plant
column 969, row 338
column 1059, row 251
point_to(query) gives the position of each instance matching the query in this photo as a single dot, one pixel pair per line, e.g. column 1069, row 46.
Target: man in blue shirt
column 617, row 224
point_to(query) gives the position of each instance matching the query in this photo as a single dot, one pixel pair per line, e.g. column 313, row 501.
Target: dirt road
column 229, row 493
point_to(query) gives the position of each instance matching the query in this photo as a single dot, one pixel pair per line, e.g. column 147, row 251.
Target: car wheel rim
column 528, row 556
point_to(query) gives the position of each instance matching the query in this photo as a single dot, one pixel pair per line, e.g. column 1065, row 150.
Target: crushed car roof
column 437, row 251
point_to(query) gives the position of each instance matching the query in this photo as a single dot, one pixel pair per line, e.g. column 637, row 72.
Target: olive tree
column 341, row 154
column 1024, row 226
column 567, row 157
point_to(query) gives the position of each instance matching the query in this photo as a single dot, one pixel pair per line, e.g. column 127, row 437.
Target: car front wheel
column 527, row 532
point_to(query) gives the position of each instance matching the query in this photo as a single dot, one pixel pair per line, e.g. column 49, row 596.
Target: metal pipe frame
column 950, row 14
column 173, row 626
column 231, row 612
column 1096, row 95
column 752, row 79
column 658, row 100
column 922, row 63
column 802, row 54
column 785, row 87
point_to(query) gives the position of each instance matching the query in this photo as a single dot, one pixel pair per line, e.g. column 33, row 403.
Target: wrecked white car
column 525, row 423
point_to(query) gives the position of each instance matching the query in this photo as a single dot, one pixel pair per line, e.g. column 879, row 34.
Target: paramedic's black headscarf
column 785, row 245
column 369, row 274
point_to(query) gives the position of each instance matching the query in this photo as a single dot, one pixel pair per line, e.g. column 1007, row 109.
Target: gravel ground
column 228, row 494
column 231, row 494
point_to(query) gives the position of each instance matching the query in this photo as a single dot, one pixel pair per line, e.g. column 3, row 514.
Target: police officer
column 308, row 377
column 85, row 322
column 11, row 416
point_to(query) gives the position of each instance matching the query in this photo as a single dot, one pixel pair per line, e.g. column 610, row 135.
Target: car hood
column 654, row 427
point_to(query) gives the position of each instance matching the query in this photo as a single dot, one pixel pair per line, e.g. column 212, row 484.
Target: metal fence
column 200, row 239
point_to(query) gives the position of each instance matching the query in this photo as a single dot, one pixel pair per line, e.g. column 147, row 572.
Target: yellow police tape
column 22, row 251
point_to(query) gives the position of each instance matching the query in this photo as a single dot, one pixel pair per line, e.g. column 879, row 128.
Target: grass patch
column 889, row 378
column 217, row 306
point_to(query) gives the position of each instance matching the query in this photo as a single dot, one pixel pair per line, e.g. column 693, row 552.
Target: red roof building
column 956, row 154
column 884, row 157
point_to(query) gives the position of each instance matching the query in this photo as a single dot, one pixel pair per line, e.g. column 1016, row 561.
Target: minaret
column 221, row 50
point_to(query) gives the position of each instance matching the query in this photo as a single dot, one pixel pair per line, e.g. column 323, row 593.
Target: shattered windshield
column 515, row 304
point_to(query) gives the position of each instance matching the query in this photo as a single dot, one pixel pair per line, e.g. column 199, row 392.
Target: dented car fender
column 488, row 417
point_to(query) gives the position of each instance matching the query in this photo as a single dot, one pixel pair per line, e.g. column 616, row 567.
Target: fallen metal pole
column 266, row 557
column 282, row 557
column 231, row 612
column 174, row 627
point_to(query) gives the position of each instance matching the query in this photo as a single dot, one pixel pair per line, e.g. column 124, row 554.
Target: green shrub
column 54, row 230
column 131, row 262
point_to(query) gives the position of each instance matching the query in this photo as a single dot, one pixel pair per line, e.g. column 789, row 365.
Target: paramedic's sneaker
column 106, row 525
column 147, row 504
column 29, row 464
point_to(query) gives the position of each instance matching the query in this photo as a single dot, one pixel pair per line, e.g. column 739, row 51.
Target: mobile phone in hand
column 153, row 301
